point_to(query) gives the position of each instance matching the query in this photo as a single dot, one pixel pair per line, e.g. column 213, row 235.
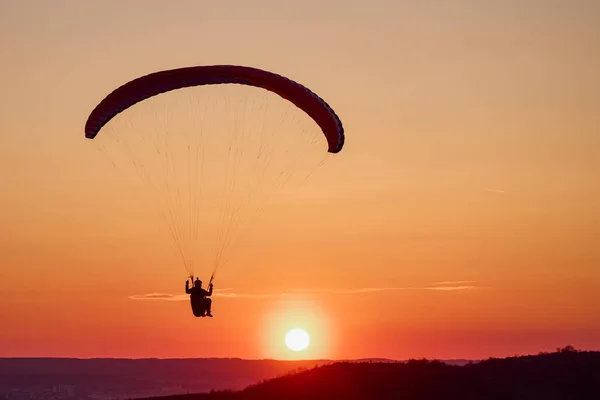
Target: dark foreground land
column 565, row 374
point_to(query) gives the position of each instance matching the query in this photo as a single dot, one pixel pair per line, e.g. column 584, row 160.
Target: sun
column 297, row 340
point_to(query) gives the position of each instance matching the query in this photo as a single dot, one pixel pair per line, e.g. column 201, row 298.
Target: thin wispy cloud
column 458, row 285
column 234, row 295
column 347, row 291
column 160, row 296
column 220, row 293
column 495, row 190
column 230, row 294
column 449, row 288
column 452, row 282
column 452, row 285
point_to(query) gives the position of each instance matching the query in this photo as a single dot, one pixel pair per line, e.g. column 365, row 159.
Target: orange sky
column 471, row 164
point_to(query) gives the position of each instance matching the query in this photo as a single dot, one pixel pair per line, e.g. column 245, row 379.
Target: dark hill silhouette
column 565, row 374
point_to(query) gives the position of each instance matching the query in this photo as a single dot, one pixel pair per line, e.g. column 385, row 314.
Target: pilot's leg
column 208, row 304
column 197, row 308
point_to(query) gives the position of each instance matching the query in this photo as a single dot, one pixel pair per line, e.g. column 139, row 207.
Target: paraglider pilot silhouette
column 199, row 300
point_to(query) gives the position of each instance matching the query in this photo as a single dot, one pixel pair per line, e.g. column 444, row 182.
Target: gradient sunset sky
column 461, row 220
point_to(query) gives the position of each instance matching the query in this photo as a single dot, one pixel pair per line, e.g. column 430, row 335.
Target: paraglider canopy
column 164, row 81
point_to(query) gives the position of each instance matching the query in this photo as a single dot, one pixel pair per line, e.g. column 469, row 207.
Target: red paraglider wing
column 160, row 82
